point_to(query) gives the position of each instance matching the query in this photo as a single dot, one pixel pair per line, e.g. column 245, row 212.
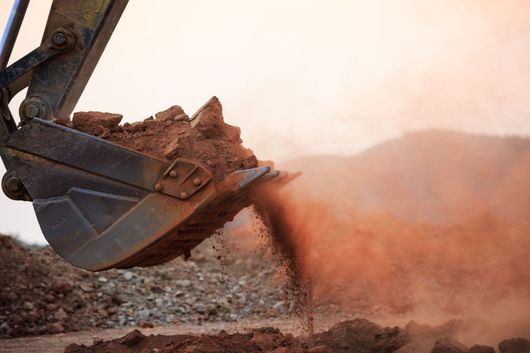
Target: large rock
column 449, row 345
column 360, row 336
column 515, row 345
column 96, row 123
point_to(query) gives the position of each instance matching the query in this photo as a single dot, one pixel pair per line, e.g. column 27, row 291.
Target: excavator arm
column 99, row 205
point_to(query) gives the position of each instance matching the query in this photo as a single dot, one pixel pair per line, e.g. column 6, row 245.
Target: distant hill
column 432, row 176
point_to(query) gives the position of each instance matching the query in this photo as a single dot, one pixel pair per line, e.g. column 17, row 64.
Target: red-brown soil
column 357, row 336
column 172, row 134
column 352, row 336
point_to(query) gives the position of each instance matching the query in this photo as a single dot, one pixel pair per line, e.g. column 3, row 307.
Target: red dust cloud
column 433, row 225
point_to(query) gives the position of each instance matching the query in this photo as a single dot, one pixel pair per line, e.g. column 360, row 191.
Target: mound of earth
column 41, row 294
column 352, row 336
column 172, row 134
column 357, row 336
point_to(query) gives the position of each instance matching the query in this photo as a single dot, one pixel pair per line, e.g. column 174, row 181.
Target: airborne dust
column 431, row 226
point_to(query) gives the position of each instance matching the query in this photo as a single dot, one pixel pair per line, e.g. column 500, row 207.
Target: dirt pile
column 40, row 293
column 360, row 336
column 172, row 134
column 352, row 336
column 357, row 336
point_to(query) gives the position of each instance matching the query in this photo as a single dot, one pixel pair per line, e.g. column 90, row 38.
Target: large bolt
column 31, row 110
column 158, row 187
column 173, row 174
column 59, row 39
column 13, row 184
column 197, row 181
column 183, row 195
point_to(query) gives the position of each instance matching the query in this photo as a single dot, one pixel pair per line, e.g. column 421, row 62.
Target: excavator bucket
column 100, row 205
column 103, row 206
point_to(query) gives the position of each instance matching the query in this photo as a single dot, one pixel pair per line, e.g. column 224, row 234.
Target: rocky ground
column 42, row 294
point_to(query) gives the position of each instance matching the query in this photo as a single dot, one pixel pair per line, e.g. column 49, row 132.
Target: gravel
column 40, row 293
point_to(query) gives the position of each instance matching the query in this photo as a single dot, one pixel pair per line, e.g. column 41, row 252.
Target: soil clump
column 172, row 134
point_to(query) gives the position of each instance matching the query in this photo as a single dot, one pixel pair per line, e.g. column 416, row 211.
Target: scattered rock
column 361, row 336
column 449, row 345
column 95, row 123
column 52, row 290
column 62, row 287
column 515, row 345
column 145, row 324
column 481, row 349
column 200, row 308
column 55, row 327
column 61, row 315
column 128, row 275
column 173, row 113
column 73, row 348
column 132, row 338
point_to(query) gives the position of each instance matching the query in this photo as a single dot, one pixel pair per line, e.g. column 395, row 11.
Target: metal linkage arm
column 11, row 31
column 57, row 84
column 78, row 30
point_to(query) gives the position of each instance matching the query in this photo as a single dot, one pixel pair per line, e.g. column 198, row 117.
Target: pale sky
column 309, row 76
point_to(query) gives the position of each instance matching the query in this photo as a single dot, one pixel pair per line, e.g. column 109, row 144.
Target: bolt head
column 197, row 181
column 31, row 110
column 173, row 174
column 158, row 187
column 13, row 184
column 183, row 195
column 59, row 39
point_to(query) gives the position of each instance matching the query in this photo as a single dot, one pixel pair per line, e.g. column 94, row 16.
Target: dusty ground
column 355, row 336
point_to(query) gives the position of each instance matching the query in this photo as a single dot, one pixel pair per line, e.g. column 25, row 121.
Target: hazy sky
column 309, row 76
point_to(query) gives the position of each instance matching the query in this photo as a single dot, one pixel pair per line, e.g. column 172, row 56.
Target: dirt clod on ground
column 361, row 336
column 172, row 134
column 515, row 345
column 449, row 345
column 357, row 336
